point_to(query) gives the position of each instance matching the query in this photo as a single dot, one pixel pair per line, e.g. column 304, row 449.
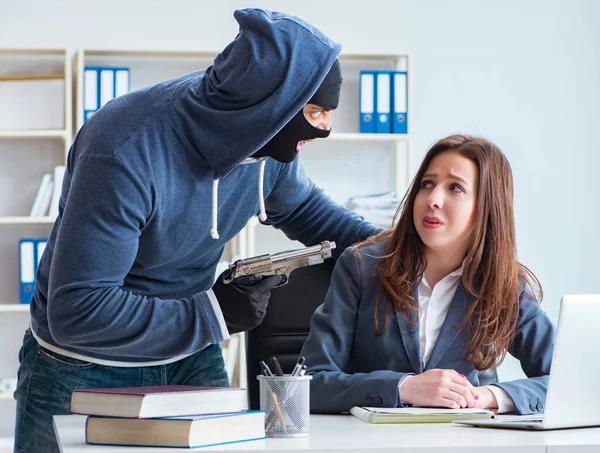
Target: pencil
column 277, row 408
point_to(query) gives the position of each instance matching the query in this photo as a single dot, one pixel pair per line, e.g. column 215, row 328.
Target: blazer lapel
column 410, row 338
column 450, row 331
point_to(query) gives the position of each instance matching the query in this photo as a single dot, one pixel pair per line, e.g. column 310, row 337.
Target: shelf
column 34, row 133
column 26, row 220
column 385, row 222
column 149, row 53
column 212, row 53
column 349, row 136
column 371, row 56
column 32, row 51
column 30, row 77
column 14, row 308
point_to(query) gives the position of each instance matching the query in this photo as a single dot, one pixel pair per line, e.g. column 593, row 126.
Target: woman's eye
column 426, row 184
column 456, row 188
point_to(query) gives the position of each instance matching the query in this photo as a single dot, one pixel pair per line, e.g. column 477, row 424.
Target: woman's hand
column 484, row 398
column 440, row 388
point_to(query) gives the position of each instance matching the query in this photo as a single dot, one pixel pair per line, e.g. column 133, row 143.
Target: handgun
column 282, row 263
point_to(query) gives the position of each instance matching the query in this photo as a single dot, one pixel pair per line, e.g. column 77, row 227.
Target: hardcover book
column 159, row 401
column 186, row 432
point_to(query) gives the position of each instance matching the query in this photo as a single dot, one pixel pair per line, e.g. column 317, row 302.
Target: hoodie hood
column 255, row 87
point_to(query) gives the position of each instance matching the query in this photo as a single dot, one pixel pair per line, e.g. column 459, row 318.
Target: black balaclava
column 282, row 147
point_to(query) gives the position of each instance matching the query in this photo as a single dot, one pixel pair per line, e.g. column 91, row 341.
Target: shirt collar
column 457, row 273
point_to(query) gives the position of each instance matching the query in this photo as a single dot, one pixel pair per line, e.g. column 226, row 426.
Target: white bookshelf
column 35, row 135
column 26, row 220
column 146, row 66
column 60, row 134
column 355, row 136
column 14, row 308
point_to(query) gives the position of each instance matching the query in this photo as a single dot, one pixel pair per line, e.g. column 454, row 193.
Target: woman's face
column 444, row 210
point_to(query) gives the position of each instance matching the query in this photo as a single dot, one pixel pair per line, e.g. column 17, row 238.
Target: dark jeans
column 46, row 380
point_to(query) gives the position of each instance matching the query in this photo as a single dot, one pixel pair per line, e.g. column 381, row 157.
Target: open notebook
column 417, row 414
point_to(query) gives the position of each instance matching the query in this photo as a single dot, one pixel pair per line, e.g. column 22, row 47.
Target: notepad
column 381, row 415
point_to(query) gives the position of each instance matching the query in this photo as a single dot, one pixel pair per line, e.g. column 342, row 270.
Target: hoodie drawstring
column 262, row 215
column 214, row 233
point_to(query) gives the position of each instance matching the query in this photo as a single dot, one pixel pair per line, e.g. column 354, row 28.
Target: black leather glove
column 244, row 301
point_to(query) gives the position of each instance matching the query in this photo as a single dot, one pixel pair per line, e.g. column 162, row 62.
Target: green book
column 382, row 415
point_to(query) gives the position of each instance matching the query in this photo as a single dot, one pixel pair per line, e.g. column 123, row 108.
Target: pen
column 278, row 412
column 276, row 366
column 265, row 368
column 303, row 370
column 298, row 366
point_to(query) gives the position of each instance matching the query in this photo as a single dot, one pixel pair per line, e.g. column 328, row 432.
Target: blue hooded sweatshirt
column 130, row 258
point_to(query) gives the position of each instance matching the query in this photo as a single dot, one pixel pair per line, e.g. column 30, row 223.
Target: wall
column 524, row 74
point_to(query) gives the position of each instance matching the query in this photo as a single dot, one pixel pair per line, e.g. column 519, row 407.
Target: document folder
column 102, row 84
column 400, row 103
column 26, row 269
column 367, row 101
column 90, row 93
column 383, row 90
column 30, row 254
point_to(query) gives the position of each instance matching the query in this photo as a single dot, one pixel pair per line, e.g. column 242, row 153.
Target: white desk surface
column 348, row 433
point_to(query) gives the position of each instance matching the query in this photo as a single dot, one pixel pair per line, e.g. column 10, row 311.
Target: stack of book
column 48, row 194
column 168, row 416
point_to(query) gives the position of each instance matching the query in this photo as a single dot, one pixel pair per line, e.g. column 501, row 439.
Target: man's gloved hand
column 244, row 302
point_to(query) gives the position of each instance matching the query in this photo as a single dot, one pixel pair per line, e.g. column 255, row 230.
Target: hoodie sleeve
column 304, row 213
column 107, row 207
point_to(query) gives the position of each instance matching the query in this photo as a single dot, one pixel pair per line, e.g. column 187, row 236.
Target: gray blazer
column 353, row 366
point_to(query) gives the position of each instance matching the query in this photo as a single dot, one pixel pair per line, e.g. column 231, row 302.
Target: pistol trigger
column 284, row 280
column 254, row 279
column 226, row 277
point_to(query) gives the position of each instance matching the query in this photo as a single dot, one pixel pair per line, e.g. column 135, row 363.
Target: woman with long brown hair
column 415, row 312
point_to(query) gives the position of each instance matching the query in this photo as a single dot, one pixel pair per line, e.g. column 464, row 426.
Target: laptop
column 573, row 396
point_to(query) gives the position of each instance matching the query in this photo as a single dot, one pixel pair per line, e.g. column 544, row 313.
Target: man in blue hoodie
column 157, row 182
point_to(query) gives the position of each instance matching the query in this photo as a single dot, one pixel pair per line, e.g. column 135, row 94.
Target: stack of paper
column 376, row 205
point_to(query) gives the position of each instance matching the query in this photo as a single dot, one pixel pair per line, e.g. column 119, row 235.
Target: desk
column 348, row 433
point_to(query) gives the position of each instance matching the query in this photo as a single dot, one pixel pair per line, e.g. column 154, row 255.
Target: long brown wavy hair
column 492, row 274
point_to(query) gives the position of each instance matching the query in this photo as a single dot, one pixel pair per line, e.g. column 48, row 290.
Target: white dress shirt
column 433, row 308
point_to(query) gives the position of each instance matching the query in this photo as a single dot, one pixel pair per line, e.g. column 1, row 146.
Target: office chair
column 285, row 327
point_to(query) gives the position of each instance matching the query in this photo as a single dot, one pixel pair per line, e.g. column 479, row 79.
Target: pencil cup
column 287, row 402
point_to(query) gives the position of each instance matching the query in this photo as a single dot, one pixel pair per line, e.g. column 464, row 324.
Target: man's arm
column 107, row 207
column 304, row 213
